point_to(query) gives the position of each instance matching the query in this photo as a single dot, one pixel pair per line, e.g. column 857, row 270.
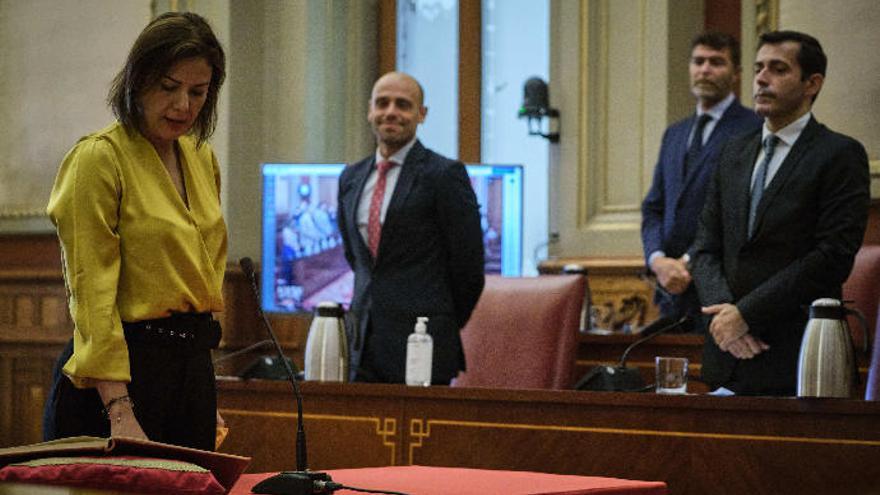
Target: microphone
column 302, row 481
column 535, row 98
column 620, row 378
column 535, row 106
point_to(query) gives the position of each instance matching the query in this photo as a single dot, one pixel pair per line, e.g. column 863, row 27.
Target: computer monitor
column 303, row 261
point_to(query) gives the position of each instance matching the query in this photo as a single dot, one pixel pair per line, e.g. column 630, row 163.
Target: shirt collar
column 398, row 157
column 791, row 132
column 717, row 111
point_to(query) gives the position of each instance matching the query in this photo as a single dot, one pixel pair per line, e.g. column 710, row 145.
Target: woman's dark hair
column 168, row 39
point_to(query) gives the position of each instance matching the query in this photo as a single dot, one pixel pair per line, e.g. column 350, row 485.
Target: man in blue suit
column 688, row 154
column 410, row 224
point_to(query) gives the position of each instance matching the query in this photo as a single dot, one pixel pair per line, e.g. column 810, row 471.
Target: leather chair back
column 523, row 333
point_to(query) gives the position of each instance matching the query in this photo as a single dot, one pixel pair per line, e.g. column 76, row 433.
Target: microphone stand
column 302, row 481
column 620, row 378
column 676, row 324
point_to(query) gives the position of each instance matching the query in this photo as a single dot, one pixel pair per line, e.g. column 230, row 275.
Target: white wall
column 57, row 60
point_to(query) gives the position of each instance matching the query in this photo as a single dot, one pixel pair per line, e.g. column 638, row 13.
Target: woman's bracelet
column 114, row 401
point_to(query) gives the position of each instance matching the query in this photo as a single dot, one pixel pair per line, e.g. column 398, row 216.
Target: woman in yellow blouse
column 137, row 210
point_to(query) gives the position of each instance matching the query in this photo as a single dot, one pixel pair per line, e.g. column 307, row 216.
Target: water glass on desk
column 671, row 375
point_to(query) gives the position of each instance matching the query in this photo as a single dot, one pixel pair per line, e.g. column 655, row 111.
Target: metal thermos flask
column 326, row 358
column 826, row 365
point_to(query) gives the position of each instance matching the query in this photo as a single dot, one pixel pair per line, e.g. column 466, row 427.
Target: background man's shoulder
column 836, row 140
column 433, row 162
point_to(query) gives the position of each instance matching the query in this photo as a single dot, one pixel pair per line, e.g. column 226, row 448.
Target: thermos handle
column 864, row 322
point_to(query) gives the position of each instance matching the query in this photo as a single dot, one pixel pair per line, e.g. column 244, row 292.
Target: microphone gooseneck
column 676, row 324
column 302, row 481
column 247, row 265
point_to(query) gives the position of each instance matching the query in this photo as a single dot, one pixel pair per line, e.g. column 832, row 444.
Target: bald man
column 411, row 227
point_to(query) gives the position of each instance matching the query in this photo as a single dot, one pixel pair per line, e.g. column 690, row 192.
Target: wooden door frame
column 470, row 68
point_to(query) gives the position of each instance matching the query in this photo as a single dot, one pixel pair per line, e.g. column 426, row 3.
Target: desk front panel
column 697, row 444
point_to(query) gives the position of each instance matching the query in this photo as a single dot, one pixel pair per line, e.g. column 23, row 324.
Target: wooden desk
column 696, row 444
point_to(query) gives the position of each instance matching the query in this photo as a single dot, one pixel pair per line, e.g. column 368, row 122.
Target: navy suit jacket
column 429, row 263
column 808, row 227
column 672, row 207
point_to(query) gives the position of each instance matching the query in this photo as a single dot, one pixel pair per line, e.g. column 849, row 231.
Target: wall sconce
column 536, row 106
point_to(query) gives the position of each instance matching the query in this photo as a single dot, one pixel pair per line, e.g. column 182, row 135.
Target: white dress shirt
column 363, row 211
column 787, row 137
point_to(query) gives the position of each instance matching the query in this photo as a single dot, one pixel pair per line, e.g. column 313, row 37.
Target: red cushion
column 126, row 473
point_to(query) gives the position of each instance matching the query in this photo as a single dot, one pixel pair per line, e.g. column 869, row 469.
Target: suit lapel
column 719, row 132
column 742, row 182
column 682, row 151
column 359, row 180
column 405, row 181
column 721, row 128
column 774, row 188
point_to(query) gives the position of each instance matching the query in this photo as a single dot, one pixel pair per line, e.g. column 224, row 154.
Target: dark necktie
column 696, row 142
column 769, row 144
column 374, row 225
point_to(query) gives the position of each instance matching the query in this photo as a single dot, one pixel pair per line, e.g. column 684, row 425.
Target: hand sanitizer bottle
column 419, row 354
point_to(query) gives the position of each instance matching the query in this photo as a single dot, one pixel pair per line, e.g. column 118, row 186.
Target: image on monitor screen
column 303, row 262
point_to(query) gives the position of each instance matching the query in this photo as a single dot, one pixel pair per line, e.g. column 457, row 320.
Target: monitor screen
column 302, row 254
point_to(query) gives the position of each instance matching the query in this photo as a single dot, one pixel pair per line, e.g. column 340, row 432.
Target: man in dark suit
column 687, row 159
column 785, row 215
column 410, row 224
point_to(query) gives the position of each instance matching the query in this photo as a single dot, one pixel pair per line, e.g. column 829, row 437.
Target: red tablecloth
column 424, row 480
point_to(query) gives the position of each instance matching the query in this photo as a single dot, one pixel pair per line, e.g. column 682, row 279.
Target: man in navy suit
column 410, row 224
column 687, row 159
column 785, row 215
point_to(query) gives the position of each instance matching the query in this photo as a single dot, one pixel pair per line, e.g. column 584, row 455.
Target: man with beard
column 785, row 215
column 687, row 159
column 410, row 224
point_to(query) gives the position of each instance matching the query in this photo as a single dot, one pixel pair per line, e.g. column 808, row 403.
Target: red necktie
column 374, row 225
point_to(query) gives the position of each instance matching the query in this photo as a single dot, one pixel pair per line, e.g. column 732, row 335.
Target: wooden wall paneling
column 620, row 293
column 35, row 324
column 31, row 388
column 470, row 77
column 25, row 379
column 7, row 400
column 31, row 251
column 724, row 16
column 387, row 35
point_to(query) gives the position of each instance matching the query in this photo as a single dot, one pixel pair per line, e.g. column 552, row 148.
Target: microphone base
column 612, row 379
column 296, row 483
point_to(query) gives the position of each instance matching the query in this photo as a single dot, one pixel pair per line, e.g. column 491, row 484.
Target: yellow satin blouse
column 132, row 249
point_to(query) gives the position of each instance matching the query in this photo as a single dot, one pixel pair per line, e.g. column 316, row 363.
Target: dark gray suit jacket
column 671, row 209
column 809, row 225
column 430, row 263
